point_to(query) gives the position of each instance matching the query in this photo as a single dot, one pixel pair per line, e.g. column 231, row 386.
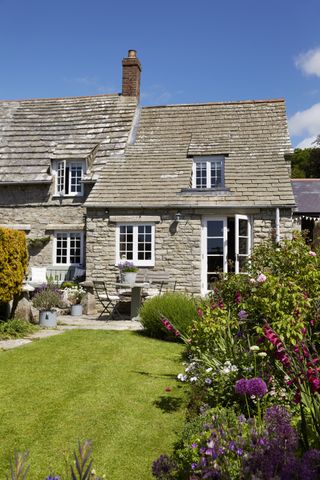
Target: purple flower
column 163, row 466
column 257, row 387
column 208, row 381
column 242, row 315
column 241, row 386
column 312, row 254
column 237, row 297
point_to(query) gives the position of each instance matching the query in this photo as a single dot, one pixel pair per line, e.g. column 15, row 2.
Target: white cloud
column 306, row 122
column 309, row 62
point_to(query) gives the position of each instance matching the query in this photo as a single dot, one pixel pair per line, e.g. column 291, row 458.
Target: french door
column 226, row 245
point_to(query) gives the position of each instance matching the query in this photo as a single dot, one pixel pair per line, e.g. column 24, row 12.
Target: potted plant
column 128, row 272
column 47, row 299
column 74, row 294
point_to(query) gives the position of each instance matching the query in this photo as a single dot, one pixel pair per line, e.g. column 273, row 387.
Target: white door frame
column 204, row 237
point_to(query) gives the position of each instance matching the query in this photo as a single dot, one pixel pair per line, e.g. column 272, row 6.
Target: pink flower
column 200, row 312
column 261, row 278
column 312, row 254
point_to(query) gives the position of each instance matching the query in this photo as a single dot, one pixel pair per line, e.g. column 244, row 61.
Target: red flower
column 168, row 389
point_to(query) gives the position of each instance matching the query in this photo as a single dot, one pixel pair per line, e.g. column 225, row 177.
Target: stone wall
column 264, row 225
column 39, row 217
column 177, row 244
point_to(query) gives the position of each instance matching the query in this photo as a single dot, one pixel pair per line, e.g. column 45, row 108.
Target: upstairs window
column 69, row 175
column 208, row 172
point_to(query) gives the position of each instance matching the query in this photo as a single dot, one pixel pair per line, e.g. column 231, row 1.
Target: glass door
column 214, row 251
column 242, row 242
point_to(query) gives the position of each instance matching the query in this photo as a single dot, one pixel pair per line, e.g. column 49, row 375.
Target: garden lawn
column 105, row 386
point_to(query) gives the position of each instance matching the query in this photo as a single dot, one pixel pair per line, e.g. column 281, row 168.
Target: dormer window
column 69, row 175
column 208, row 172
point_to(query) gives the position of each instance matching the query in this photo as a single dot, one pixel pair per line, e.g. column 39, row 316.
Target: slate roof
column 156, row 170
column 307, row 195
column 33, row 132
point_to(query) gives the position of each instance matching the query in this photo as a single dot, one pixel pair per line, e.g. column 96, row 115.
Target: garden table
column 135, row 296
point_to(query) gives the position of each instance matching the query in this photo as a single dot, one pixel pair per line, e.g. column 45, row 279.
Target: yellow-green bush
column 13, row 262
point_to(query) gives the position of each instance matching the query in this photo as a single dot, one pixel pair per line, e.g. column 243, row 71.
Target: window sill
column 206, row 191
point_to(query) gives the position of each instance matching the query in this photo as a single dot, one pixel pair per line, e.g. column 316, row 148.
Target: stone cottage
column 186, row 189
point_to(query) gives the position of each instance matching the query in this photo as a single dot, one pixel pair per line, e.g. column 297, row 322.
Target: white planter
column 129, row 277
column 76, row 310
column 47, row 318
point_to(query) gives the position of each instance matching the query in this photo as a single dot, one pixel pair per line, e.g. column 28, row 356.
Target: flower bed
column 254, row 374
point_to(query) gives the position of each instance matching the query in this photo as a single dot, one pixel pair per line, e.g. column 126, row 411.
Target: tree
column 305, row 163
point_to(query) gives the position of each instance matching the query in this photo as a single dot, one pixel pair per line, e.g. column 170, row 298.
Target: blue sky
column 191, row 51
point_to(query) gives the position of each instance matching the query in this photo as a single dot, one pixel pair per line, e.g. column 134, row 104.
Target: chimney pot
column 131, row 72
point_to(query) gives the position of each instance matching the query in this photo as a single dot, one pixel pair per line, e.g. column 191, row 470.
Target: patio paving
column 68, row 322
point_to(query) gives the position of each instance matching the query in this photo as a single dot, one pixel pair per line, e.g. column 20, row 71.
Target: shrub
column 13, row 263
column 48, row 297
column 178, row 308
column 15, row 329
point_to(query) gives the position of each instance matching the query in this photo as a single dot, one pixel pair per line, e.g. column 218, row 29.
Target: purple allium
column 310, row 465
column 241, row 386
column 257, row 387
column 163, row 467
column 278, row 423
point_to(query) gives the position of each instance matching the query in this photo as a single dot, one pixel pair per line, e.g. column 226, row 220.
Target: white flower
column 262, row 354
column 193, row 379
column 254, row 348
column 191, row 366
column 182, row 377
column 208, row 381
column 208, row 370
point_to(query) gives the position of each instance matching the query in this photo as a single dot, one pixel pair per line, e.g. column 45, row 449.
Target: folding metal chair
column 107, row 301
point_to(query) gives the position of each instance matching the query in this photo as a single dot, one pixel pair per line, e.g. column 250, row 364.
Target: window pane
column 75, row 174
column 215, row 264
column 215, row 228
column 201, row 174
column 215, row 245
column 243, row 228
column 136, row 242
column 216, row 173
column 243, row 246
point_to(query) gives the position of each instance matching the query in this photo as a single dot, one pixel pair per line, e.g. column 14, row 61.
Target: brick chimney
column 131, row 72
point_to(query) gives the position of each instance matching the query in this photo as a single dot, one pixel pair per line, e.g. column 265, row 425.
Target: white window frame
column 136, row 262
column 207, row 161
column 55, row 244
column 59, row 171
column 237, row 240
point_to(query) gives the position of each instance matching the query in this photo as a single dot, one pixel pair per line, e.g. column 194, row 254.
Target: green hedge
column 13, row 263
column 180, row 309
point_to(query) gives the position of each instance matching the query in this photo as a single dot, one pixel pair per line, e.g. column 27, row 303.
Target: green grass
column 105, row 386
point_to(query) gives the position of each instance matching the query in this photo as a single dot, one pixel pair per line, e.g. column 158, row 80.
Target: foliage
column 305, row 163
column 48, row 297
column 175, row 307
column 127, row 266
column 15, row 329
column 38, row 242
column 74, row 293
column 13, row 263
column 81, row 470
column 223, row 445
